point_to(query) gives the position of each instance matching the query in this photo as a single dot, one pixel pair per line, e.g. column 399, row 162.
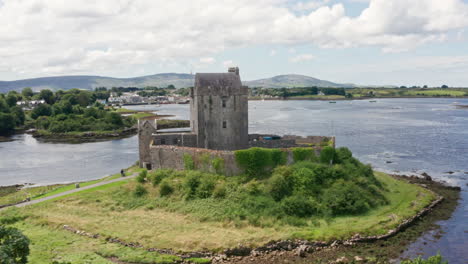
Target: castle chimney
column 234, row 70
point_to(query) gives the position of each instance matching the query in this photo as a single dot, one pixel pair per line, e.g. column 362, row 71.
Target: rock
column 389, row 161
column 426, row 176
column 342, row 260
column 358, row 258
column 449, row 172
column 239, row 251
column 334, row 244
column 302, row 250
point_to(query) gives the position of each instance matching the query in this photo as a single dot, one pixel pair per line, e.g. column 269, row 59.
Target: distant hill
column 293, row 80
column 159, row 80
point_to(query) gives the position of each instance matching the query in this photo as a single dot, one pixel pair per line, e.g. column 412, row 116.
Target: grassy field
column 12, row 195
column 112, row 211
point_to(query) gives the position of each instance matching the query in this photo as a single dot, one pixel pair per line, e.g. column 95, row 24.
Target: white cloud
column 301, row 58
column 40, row 37
column 309, row 5
column 228, row 63
column 207, row 60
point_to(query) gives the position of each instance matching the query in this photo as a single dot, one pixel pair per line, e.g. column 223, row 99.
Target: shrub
column 191, row 183
column 345, row 197
column 141, row 178
column 327, row 155
column 160, row 175
column 206, row 187
column 220, row 191
column 298, row 205
column 14, row 246
column 437, row 259
column 281, row 184
column 343, row 154
column 140, row 191
column 165, row 188
column 218, row 165
column 188, row 162
column 253, row 187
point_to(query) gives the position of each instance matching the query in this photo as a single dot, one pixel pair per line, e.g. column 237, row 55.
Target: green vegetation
column 258, row 161
column 63, row 112
column 193, row 210
column 14, row 194
column 14, row 246
column 342, row 93
column 437, row 259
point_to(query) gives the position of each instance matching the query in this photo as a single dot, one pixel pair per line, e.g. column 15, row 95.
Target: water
column 404, row 135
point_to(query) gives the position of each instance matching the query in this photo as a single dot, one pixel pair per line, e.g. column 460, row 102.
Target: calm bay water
column 405, row 135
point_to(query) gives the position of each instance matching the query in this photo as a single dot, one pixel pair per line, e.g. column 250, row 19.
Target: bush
column 218, row 165
column 160, row 175
column 206, row 187
column 281, row 184
column 191, row 183
column 165, row 188
column 437, row 259
column 14, row 246
column 300, row 206
column 327, row 155
column 189, row 164
column 140, row 191
column 220, row 191
column 345, row 197
column 7, row 123
column 141, row 178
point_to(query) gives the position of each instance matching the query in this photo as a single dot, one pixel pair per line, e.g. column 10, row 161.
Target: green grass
column 108, row 211
column 56, row 244
column 124, row 110
column 14, row 196
column 141, row 115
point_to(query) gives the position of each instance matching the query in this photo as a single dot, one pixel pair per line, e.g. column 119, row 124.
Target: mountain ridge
column 179, row 80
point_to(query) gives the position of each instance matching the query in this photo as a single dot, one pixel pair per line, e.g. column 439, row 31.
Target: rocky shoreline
column 303, row 251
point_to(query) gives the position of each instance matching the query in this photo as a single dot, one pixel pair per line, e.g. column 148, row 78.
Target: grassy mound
column 192, row 210
column 290, row 194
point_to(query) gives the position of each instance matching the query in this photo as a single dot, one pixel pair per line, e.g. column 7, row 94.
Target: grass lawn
column 102, row 210
column 14, row 196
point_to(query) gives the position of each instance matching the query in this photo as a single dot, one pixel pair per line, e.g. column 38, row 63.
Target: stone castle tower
column 219, row 111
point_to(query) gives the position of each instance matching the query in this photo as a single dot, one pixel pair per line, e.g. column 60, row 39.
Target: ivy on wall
column 302, row 154
column 257, row 161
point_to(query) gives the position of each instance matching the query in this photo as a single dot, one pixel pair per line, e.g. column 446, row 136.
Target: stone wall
column 172, row 157
column 175, row 139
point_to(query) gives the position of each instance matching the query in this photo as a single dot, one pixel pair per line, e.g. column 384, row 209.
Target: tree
column 7, row 124
column 19, row 115
column 4, row 106
column 47, row 95
column 41, row 110
column 444, row 86
column 11, row 99
column 14, row 246
column 114, row 119
column 27, row 92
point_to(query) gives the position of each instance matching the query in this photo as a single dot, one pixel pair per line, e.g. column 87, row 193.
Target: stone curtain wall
column 172, row 157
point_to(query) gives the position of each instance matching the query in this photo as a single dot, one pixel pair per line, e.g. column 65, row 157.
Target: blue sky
column 373, row 42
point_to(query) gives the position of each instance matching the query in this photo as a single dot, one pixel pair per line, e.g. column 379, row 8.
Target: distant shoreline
column 357, row 98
